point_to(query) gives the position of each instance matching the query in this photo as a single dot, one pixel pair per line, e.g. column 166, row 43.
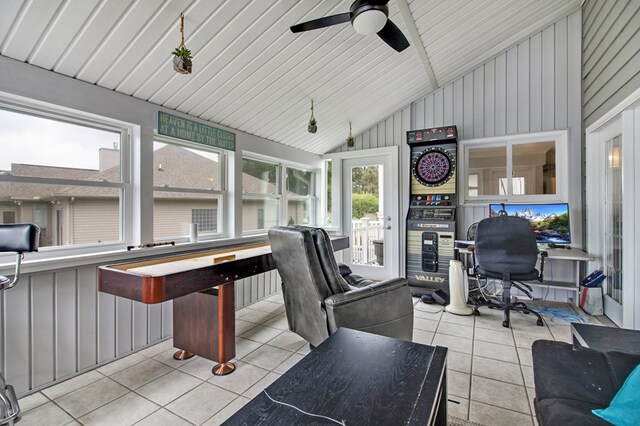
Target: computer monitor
column 550, row 222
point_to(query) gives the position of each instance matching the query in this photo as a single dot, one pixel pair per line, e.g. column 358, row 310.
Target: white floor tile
column 201, row 403
column 501, row 394
column 228, row 411
column 47, row 414
column 497, row 370
column 32, row 401
column 163, row 417
column 73, row 384
column 457, row 330
column 88, row 398
column 124, row 411
column 141, row 374
column 245, row 376
column 490, row 415
column 495, row 351
column 169, row 387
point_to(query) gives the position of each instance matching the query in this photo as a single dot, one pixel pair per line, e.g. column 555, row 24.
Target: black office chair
column 319, row 299
column 14, row 239
column 506, row 249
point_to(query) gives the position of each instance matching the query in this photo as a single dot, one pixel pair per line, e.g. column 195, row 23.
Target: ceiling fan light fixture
column 369, row 22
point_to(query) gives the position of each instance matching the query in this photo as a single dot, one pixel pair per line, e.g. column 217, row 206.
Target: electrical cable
column 304, row 412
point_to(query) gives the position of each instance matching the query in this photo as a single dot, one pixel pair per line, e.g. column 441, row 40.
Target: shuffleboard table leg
column 182, row 355
column 226, row 330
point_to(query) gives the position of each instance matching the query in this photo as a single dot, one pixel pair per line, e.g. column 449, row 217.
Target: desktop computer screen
column 550, row 222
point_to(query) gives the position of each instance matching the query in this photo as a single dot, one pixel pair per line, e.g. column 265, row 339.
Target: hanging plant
column 312, row 127
column 350, row 140
column 182, row 56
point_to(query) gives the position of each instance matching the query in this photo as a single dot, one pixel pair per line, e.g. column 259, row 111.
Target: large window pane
column 328, row 176
column 487, row 170
column 66, row 214
column 298, row 182
column 35, row 146
column 174, row 212
column 534, row 168
column 259, row 214
column 298, row 212
column 259, row 177
column 180, row 167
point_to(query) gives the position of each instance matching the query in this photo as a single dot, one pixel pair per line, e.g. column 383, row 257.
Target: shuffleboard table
column 201, row 285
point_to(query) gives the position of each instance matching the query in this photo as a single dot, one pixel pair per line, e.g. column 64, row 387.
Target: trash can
column 378, row 250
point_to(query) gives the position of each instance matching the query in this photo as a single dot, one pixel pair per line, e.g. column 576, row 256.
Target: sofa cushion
column 562, row 372
column 625, row 406
column 560, row 411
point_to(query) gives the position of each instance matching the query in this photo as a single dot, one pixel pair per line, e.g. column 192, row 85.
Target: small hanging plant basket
column 350, row 141
column 181, row 55
column 182, row 60
column 312, row 127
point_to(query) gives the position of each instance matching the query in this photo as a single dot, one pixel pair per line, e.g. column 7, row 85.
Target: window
column 188, row 182
column 265, row 204
column 261, row 195
column 63, row 175
column 206, row 219
column 510, row 167
column 299, row 196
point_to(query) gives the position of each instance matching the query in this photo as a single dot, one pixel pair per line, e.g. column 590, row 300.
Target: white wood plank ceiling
column 250, row 72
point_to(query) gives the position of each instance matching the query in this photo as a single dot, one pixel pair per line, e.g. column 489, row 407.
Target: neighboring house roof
column 174, row 167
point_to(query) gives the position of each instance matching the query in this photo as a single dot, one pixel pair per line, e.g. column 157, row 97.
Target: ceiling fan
column 367, row 17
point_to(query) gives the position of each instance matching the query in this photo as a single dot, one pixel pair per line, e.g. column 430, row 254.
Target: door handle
column 388, row 226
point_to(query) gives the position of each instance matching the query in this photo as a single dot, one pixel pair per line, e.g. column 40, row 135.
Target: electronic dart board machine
column 431, row 221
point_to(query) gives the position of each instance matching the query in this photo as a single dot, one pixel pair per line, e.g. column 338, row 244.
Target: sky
column 33, row 140
column 27, row 139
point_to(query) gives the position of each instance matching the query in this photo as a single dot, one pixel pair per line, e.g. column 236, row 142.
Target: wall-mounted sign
column 189, row 130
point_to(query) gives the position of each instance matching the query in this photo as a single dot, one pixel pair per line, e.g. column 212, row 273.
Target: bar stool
column 14, row 239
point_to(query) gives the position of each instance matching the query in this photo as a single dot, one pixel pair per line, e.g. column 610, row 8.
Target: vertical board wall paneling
column 56, row 325
column 610, row 55
column 66, row 305
column 531, row 87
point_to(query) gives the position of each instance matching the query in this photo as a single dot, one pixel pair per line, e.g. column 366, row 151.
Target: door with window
column 370, row 210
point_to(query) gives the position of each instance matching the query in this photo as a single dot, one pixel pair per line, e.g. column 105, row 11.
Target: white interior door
column 370, row 215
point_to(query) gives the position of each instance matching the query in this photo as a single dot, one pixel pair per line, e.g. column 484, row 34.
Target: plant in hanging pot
column 350, row 141
column 182, row 60
column 312, row 127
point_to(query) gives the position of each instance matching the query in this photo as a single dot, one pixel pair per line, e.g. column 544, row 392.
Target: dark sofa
column 570, row 383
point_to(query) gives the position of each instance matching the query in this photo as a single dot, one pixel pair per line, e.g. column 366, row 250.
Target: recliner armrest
column 365, row 292
column 384, row 308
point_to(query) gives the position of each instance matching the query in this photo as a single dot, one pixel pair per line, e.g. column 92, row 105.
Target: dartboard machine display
column 431, row 220
column 433, row 167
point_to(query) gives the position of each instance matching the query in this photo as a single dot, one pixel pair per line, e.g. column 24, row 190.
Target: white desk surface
column 554, row 253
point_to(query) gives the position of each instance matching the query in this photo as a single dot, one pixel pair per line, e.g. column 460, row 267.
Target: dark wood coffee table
column 604, row 339
column 356, row 378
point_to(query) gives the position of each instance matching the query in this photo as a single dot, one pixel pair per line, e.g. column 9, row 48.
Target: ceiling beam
column 416, row 41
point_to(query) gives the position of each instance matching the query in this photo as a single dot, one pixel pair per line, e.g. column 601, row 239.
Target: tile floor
column 490, row 373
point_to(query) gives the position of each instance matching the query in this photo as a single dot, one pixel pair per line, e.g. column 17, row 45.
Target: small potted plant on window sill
column 350, row 140
column 182, row 60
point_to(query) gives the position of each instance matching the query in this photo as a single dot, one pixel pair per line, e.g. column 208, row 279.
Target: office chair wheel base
column 539, row 322
column 505, row 324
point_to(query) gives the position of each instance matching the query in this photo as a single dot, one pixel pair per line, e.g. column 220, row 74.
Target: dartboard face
column 433, row 167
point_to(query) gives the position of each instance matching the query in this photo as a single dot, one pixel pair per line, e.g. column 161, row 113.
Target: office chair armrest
column 383, row 308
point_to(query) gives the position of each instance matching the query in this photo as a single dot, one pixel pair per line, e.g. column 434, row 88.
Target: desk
column 604, row 339
column 203, row 316
column 574, row 255
column 359, row 378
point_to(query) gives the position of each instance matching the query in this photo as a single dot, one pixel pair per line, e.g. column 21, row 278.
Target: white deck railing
column 363, row 233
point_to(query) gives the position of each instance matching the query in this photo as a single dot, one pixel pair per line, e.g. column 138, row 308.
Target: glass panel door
column 613, row 219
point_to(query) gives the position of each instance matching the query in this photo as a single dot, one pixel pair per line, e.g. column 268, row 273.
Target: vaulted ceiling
column 251, row 73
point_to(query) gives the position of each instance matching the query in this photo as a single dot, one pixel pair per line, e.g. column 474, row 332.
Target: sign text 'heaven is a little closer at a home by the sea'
column 181, row 128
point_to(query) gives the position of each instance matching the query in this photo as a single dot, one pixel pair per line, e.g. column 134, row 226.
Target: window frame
column 125, row 198
column 281, row 195
column 221, row 193
column 509, row 141
column 311, row 198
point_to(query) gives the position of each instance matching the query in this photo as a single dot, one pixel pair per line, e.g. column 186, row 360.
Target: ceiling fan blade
column 327, row 21
column 392, row 35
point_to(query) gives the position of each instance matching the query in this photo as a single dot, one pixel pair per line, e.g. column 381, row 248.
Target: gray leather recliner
column 319, row 299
